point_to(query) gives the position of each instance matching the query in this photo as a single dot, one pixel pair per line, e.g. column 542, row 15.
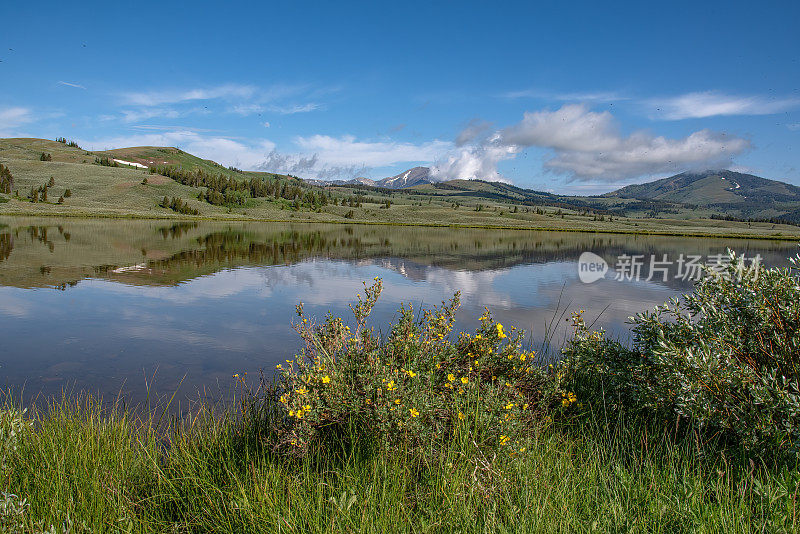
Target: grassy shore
column 95, row 470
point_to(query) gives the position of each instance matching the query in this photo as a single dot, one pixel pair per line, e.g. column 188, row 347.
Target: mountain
column 354, row 181
column 712, row 188
column 409, row 178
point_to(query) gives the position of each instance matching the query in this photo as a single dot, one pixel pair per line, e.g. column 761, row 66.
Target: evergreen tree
column 6, row 180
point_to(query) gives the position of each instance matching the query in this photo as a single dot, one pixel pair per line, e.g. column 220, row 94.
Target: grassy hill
column 727, row 192
column 124, row 191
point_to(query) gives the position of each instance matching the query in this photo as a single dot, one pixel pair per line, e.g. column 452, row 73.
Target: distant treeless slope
column 711, row 187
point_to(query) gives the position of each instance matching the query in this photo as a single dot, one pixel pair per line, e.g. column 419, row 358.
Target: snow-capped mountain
column 409, row 178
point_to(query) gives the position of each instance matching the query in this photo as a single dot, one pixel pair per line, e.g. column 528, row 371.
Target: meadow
column 693, row 427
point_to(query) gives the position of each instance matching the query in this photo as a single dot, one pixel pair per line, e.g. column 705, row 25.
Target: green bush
column 418, row 387
column 724, row 358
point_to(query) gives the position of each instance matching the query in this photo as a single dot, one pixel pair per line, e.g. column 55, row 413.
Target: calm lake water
column 109, row 306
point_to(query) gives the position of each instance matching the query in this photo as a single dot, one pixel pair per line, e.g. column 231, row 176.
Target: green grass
column 106, row 471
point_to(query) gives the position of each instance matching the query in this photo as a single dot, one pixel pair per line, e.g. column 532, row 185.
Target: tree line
column 224, row 190
column 64, row 141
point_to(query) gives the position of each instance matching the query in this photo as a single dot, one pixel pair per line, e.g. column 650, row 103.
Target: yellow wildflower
column 301, row 391
column 461, row 416
column 450, row 377
column 284, row 400
column 414, row 413
column 397, row 401
column 299, row 414
column 464, row 379
column 504, row 439
column 500, row 333
column 291, row 413
column 307, row 407
column 412, row 374
column 390, row 386
column 326, row 379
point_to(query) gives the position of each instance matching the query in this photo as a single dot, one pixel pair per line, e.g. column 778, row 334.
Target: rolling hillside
column 60, row 178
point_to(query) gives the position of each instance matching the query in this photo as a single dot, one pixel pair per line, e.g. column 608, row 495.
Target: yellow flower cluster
column 568, row 398
column 500, row 333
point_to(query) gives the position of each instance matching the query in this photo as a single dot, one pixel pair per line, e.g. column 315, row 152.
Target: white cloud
column 223, row 150
column 295, row 108
column 68, row 84
column 158, row 98
column 346, row 150
column 596, row 96
column 712, row 103
column 325, row 157
column 589, row 146
column 130, row 115
column 11, row 118
column 477, row 162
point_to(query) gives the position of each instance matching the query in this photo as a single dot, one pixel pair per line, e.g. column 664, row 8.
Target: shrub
column 416, row 388
column 178, row 205
column 105, row 161
column 725, row 358
column 45, row 157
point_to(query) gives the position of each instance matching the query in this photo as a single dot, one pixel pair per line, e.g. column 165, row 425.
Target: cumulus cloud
column 587, row 145
column 326, row 158
column 712, row 103
column 475, row 162
column 347, row 150
column 474, row 129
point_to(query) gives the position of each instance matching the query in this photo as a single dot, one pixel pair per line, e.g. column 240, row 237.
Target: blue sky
column 577, row 97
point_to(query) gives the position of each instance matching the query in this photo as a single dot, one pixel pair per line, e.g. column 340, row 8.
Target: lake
column 110, row 306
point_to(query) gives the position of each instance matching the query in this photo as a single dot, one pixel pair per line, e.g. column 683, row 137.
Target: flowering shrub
column 726, row 358
column 418, row 386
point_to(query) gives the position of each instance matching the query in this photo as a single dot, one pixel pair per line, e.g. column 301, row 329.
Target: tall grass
column 82, row 468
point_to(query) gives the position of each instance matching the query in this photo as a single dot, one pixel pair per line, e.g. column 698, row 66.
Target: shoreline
column 665, row 233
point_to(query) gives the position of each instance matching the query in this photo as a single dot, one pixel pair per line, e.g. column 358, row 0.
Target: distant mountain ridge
column 713, row 187
column 409, row 178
